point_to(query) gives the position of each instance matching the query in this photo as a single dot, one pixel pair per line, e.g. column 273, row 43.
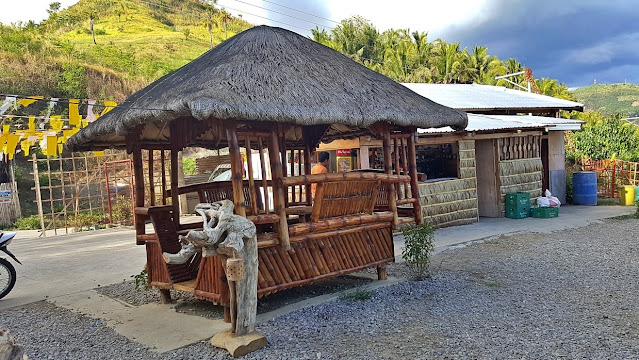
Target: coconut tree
column 210, row 21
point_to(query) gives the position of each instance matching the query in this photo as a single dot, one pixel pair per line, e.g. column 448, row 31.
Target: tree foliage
column 603, row 137
column 407, row 56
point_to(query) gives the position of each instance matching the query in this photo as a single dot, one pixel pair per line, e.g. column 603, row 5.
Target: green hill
column 135, row 43
column 610, row 98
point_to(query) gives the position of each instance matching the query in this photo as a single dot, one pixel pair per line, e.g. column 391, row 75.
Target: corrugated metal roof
column 550, row 122
column 477, row 122
column 471, row 97
column 480, row 122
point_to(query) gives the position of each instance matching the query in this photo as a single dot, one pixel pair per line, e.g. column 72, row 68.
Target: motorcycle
column 7, row 271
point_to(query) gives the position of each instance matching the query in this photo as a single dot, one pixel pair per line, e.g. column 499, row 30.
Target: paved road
column 64, row 264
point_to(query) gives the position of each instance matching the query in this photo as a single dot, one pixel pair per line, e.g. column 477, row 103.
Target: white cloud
column 607, row 51
column 36, row 10
column 430, row 15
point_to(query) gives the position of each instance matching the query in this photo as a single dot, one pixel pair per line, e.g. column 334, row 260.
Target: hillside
column 610, row 98
column 136, row 42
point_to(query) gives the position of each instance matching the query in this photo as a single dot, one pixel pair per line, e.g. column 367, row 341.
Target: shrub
column 141, row 280
column 121, row 210
column 28, row 223
column 419, row 244
column 358, row 295
column 188, row 166
column 87, row 220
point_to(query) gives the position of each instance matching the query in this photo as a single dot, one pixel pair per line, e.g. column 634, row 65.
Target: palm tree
column 91, row 20
column 210, row 21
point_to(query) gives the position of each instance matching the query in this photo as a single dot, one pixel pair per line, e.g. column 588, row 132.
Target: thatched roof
column 269, row 74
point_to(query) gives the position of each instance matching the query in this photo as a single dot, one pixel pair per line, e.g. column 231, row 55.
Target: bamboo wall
column 453, row 202
column 522, row 175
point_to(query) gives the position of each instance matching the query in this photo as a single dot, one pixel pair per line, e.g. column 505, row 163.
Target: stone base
column 238, row 345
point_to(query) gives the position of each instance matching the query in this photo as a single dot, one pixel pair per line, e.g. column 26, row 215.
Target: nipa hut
column 271, row 92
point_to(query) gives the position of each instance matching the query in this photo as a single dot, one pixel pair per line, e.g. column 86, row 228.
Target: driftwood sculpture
column 234, row 239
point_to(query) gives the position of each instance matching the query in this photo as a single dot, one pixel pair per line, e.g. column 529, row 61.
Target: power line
column 281, row 13
column 303, row 12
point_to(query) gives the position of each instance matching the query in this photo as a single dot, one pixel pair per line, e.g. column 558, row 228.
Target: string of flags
column 49, row 131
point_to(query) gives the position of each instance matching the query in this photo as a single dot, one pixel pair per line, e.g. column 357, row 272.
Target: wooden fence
column 611, row 174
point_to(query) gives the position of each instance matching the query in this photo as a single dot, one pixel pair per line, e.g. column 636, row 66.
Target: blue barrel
column 584, row 188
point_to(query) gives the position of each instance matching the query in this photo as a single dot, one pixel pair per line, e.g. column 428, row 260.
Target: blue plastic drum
column 584, row 188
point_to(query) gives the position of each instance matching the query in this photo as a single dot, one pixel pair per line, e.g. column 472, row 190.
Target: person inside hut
column 319, row 168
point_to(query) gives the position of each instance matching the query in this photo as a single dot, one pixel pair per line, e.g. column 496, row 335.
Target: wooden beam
column 278, row 189
column 138, row 178
column 249, row 163
column 412, row 172
column 237, row 167
column 392, row 192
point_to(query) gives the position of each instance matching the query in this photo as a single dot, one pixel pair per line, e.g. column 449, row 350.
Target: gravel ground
column 571, row 294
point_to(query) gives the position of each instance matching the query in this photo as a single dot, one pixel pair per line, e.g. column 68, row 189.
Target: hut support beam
column 414, row 187
column 237, row 166
column 279, row 201
column 138, row 176
column 175, row 196
column 392, row 192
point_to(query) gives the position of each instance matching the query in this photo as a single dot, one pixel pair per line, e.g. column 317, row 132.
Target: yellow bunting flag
column 85, row 122
column 109, row 106
column 5, row 129
column 12, row 142
column 52, row 146
column 32, row 124
column 69, row 133
column 98, row 153
column 74, row 112
column 31, row 100
column 56, row 125
column 26, row 147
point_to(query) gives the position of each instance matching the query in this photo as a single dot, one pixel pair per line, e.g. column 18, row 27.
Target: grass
column 607, row 202
column 358, row 295
column 142, row 44
column 610, row 98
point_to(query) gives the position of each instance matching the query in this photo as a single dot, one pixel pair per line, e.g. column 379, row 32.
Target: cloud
column 569, row 41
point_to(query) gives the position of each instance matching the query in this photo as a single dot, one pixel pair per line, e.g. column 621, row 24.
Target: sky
column 578, row 42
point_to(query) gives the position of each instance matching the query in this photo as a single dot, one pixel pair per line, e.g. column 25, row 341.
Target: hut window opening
column 438, row 161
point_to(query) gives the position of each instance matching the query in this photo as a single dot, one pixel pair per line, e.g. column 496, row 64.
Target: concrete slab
column 157, row 327
column 570, row 217
column 65, row 264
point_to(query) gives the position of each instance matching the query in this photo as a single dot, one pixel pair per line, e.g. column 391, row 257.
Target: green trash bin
column 636, row 193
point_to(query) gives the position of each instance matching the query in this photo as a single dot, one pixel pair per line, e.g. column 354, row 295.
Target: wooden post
column 175, row 196
column 278, row 189
column 237, row 165
column 249, row 163
column 138, row 178
column 264, row 182
column 151, row 184
column 414, row 186
column 162, row 161
column 307, row 171
column 388, row 160
column 36, row 179
column 184, row 208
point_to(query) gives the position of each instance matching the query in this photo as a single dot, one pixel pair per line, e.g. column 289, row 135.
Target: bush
column 87, row 220
column 358, row 295
column 188, row 166
column 28, row 223
column 419, row 244
column 122, row 210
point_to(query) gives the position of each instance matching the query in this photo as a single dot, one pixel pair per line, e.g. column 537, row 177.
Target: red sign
column 343, row 152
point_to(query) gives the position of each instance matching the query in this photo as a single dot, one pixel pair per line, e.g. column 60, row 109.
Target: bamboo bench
column 345, row 234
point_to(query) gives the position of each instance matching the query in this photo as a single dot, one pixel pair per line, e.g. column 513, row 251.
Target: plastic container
column 636, row 193
column 545, row 212
column 626, row 195
column 584, row 187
